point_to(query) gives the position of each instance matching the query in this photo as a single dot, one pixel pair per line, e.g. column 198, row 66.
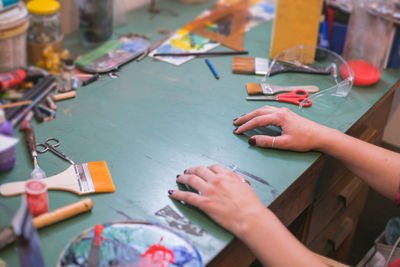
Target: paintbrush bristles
column 243, row 65
column 101, row 176
column 254, row 88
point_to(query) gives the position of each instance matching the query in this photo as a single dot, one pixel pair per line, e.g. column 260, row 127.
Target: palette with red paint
column 132, row 243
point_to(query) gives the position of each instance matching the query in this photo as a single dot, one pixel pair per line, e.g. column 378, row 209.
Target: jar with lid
column 44, row 28
column 14, row 23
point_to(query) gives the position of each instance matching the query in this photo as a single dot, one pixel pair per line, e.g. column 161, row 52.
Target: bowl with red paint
column 132, row 243
column 365, row 73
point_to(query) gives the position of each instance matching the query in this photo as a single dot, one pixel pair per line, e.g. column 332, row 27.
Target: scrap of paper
column 184, row 41
column 7, row 142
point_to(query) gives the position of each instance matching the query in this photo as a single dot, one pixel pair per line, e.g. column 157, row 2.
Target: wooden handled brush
column 82, row 179
column 62, row 213
column 250, row 65
column 270, row 89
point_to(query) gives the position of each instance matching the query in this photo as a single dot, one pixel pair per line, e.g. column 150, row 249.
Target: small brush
column 260, row 66
column 37, row 172
column 250, row 65
column 270, row 89
column 81, row 179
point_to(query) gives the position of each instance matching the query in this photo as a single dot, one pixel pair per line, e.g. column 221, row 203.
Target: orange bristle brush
column 82, row 179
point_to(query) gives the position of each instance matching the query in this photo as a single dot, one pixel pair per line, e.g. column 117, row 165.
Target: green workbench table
column 155, row 121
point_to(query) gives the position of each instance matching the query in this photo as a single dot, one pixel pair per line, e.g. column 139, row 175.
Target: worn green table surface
column 155, row 121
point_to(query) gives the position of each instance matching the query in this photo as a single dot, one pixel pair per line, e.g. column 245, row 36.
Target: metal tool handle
column 52, row 148
column 274, row 89
column 31, row 141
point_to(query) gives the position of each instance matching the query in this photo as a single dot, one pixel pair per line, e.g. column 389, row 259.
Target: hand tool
column 260, row 66
column 35, row 102
column 271, row 89
column 84, row 178
column 37, row 172
column 31, row 94
column 298, row 97
column 50, row 145
column 11, row 79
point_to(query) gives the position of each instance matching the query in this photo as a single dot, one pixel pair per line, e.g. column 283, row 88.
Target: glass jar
column 95, row 21
column 44, row 28
column 45, row 23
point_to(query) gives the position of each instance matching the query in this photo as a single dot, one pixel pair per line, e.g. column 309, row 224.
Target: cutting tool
column 297, row 97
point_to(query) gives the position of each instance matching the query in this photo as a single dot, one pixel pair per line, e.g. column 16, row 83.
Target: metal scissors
column 297, row 97
column 50, row 145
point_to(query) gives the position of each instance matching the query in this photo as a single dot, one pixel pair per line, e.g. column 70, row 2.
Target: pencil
column 16, row 104
column 212, row 68
column 221, row 53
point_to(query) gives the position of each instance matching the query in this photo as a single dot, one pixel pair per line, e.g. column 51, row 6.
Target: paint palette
column 112, row 54
column 132, row 243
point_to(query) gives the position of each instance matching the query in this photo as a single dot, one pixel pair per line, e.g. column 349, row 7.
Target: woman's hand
column 298, row 133
column 224, row 195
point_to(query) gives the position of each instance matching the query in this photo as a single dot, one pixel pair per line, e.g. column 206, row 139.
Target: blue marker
column 212, row 69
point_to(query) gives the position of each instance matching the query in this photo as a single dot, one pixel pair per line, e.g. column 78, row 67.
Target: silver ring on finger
column 273, row 142
column 245, row 181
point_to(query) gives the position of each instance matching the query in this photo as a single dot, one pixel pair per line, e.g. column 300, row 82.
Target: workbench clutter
column 224, row 25
column 21, row 222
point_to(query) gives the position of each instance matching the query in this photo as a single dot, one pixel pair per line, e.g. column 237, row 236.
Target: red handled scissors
column 297, row 97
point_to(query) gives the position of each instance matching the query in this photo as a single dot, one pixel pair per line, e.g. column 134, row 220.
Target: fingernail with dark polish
column 252, row 141
column 184, row 171
column 170, row 192
column 235, row 119
column 177, row 176
column 234, row 131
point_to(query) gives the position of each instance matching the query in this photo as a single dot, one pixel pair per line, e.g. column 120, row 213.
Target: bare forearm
column 378, row 167
column 273, row 244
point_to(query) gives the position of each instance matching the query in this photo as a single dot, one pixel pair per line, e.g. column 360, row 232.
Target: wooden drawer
column 342, row 195
column 336, row 190
column 335, row 239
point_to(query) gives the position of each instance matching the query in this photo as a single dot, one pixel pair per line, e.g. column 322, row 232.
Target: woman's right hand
column 298, row 133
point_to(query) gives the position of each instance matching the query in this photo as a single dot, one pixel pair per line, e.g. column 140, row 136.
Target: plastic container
column 44, row 29
column 13, row 25
column 370, row 31
column 364, row 72
column 95, row 21
column 7, row 158
column 36, row 197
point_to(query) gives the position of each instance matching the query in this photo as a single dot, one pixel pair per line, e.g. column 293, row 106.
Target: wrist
column 326, row 138
column 245, row 229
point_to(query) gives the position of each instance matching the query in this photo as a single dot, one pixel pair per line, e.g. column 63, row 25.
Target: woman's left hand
column 224, row 195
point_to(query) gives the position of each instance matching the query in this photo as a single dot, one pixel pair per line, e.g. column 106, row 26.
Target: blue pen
column 212, row 69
